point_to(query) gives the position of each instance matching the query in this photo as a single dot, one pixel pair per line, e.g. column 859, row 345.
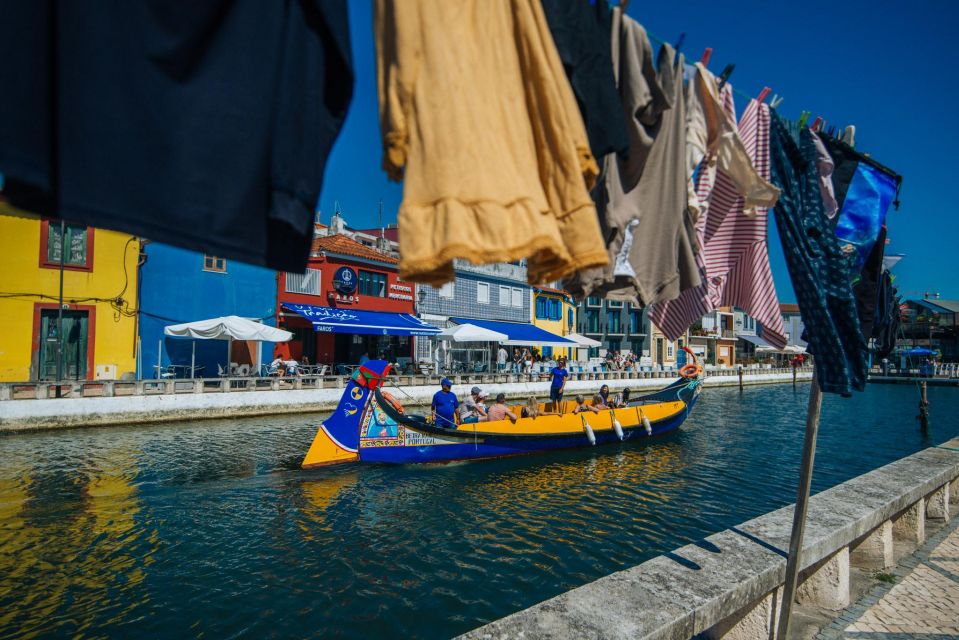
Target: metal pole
column 63, row 249
column 193, row 360
column 802, row 502
column 159, row 356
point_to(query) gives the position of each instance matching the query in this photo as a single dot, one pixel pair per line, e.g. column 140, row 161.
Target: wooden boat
column 370, row 425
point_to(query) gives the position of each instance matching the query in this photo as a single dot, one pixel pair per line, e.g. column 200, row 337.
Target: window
column 612, row 322
column 636, row 346
column 79, row 244
column 615, row 345
column 555, row 309
column 614, row 304
column 669, row 350
column 504, row 296
column 542, row 313
column 446, row 291
column 212, row 263
column 593, row 302
column 307, row 283
column 635, row 322
column 372, row 283
column 592, row 321
column 517, row 297
column 547, row 352
column 482, row 292
column 593, row 352
column 570, row 319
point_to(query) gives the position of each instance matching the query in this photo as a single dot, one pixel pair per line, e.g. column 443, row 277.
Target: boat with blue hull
column 370, row 425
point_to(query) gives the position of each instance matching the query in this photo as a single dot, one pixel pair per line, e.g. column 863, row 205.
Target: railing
column 117, row 388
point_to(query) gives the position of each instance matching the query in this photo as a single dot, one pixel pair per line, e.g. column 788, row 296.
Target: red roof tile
column 349, row 247
column 789, row 308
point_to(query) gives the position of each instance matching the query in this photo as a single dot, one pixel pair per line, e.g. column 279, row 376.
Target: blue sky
column 880, row 66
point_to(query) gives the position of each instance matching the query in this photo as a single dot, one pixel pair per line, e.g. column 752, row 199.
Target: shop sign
column 344, row 281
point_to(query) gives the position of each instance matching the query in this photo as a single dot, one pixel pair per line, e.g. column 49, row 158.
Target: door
column 74, row 340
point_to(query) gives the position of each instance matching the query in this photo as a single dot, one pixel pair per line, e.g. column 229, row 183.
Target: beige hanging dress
column 479, row 121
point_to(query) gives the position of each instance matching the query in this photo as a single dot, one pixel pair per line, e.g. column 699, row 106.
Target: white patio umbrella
column 227, row 328
column 472, row 333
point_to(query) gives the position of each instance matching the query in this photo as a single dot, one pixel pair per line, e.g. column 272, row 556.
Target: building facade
column 931, row 323
column 713, row 338
column 98, row 337
column 619, row 326
column 178, row 285
column 345, row 274
column 554, row 310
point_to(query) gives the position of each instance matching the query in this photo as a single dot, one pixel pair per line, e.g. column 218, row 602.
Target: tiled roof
column 347, row 246
column 559, row 292
column 789, row 308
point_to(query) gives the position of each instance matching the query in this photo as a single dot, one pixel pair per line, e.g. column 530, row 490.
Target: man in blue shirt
column 560, row 375
column 445, row 405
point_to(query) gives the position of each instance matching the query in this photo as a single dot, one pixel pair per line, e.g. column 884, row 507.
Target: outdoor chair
column 221, row 372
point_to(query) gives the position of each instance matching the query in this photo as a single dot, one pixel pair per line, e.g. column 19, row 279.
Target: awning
column 583, row 341
column 227, row 328
column 520, row 333
column 333, row 320
column 756, row 340
column 471, row 333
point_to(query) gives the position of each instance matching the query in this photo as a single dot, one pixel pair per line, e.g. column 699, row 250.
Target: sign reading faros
column 344, row 281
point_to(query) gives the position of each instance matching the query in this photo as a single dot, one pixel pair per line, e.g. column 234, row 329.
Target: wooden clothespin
column 763, row 94
column 707, row 54
column 724, row 76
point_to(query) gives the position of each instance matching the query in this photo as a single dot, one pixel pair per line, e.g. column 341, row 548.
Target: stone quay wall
column 730, row 584
column 93, row 403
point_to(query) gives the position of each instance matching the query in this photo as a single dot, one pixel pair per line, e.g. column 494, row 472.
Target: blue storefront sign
column 344, row 281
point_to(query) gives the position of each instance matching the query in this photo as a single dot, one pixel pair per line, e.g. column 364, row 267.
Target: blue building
column 177, row 286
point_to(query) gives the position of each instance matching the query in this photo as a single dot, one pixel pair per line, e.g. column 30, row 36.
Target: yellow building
column 99, row 294
column 555, row 311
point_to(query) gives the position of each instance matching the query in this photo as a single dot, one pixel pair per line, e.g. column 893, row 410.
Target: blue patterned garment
column 817, row 266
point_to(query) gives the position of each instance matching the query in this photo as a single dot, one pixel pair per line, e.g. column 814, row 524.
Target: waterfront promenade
column 919, row 602
column 32, row 405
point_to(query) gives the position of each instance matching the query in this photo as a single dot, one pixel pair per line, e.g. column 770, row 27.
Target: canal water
column 209, row 529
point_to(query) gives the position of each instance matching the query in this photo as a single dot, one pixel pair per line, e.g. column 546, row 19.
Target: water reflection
column 210, row 529
column 65, row 566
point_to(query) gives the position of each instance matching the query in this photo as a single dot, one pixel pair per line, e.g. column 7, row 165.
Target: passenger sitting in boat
column 500, row 411
column 445, row 405
column 599, row 402
column 621, row 399
column 473, row 410
column 604, row 394
column 582, row 407
column 531, row 409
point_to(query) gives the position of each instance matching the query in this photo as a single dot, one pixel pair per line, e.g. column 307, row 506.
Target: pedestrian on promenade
column 559, row 377
column 517, row 360
column 499, row 411
column 364, row 358
column 501, row 356
column 445, row 405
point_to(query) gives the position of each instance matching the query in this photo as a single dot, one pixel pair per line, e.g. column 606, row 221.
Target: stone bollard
column 754, row 621
column 826, row 584
column 937, row 503
column 875, row 550
column 910, row 525
column 107, row 389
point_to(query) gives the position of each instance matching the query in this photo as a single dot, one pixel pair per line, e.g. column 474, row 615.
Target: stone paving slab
column 922, row 603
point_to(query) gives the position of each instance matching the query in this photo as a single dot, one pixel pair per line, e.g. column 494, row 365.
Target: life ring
column 393, row 402
column 690, row 371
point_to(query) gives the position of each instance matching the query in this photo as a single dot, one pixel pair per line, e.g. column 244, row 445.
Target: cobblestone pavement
column 923, row 603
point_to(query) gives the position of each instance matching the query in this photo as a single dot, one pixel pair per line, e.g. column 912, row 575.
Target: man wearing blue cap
column 445, row 405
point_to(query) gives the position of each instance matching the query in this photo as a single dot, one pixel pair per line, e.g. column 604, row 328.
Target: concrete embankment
column 165, row 401
column 730, row 584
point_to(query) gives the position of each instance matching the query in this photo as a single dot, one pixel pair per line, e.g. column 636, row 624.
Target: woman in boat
column 621, row 399
column 604, row 394
column 500, row 411
column 531, row 409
